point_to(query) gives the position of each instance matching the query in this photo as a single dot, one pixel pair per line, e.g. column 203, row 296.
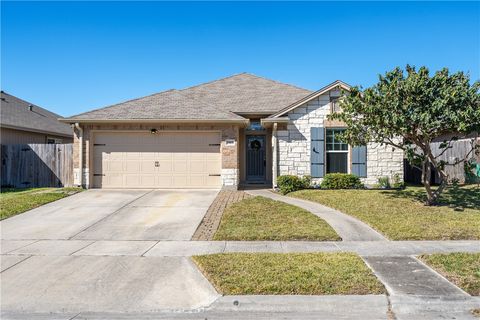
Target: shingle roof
column 15, row 113
column 215, row 100
column 171, row 104
column 247, row 93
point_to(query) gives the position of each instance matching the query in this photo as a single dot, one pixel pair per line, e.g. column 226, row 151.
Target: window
column 255, row 126
column 51, row 140
column 337, row 152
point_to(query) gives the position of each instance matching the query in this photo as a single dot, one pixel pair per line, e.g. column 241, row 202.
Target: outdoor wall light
column 153, row 131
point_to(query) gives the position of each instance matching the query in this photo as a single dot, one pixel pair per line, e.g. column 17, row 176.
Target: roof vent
column 30, row 107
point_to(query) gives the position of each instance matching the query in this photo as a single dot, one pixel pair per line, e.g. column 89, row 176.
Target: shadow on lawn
column 455, row 197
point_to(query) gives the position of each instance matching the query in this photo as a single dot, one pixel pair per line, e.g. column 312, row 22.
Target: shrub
column 289, row 183
column 397, row 182
column 341, row 181
column 384, row 183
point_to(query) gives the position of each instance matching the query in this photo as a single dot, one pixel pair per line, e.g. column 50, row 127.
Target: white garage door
column 162, row 160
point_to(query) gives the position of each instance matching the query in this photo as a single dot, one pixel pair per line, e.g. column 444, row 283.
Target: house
column 240, row 130
column 22, row 122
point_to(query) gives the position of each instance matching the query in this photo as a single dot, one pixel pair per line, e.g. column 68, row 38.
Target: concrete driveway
column 86, row 253
column 114, row 215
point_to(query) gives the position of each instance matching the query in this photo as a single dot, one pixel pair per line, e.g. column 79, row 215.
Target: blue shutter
column 317, row 156
column 359, row 161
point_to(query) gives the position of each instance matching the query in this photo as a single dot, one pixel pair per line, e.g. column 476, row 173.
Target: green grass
column 402, row 215
column 463, row 269
column 15, row 201
column 259, row 218
column 289, row 273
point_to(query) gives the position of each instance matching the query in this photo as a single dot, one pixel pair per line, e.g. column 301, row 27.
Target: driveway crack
column 104, row 218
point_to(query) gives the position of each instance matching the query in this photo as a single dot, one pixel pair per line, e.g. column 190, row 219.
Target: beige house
column 23, row 123
column 240, row 130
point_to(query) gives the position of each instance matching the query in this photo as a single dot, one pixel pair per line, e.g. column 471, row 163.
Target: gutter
column 73, row 120
column 59, row 134
column 80, row 151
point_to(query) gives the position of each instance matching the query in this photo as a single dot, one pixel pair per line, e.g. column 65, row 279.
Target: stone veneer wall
column 230, row 159
column 294, row 145
column 294, row 142
column 383, row 161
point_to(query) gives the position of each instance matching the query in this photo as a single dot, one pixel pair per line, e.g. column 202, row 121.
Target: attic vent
column 30, row 108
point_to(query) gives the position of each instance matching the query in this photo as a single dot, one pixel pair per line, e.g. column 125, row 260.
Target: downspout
column 80, row 152
column 274, row 155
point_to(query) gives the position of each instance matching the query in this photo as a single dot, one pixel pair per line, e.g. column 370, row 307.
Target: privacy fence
column 37, row 165
column 458, row 150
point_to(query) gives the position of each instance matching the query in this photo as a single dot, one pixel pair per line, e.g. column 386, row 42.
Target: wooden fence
column 458, row 151
column 37, row 165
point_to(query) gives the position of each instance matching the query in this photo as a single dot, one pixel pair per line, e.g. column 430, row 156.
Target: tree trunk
column 426, row 176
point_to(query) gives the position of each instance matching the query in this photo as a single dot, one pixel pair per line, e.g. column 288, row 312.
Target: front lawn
column 463, row 269
column 15, row 201
column 289, row 273
column 401, row 214
column 259, row 218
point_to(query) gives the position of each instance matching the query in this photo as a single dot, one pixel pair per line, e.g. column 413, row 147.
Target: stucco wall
column 294, row 144
column 230, row 164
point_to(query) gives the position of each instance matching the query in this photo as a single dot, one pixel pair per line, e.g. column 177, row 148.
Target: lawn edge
column 35, row 207
column 440, row 272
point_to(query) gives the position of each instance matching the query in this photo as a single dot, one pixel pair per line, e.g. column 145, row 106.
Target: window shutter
column 317, row 156
column 359, row 161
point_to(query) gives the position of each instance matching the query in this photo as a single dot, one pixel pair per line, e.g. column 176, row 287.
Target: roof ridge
column 208, row 105
column 116, row 104
column 212, row 81
column 275, row 81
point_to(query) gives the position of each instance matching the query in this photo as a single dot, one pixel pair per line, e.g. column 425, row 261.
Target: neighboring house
column 240, row 130
column 22, row 123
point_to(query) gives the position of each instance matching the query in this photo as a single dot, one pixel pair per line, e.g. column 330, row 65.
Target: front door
column 256, row 161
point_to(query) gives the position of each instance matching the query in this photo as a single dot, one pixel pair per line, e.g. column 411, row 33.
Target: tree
column 408, row 110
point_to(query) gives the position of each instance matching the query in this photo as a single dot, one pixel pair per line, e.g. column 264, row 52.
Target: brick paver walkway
column 211, row 221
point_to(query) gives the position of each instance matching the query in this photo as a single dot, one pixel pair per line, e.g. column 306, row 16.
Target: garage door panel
column 163, row 160
column 163, row 181
column 165, row 167
column 197, row 167
column 133, row 166
column 180, row 166
column 115, row 166
column 180, row 181
column 212, row 181
column 197, row 180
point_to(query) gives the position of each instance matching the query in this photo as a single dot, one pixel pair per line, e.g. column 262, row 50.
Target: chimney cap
column 30, row 107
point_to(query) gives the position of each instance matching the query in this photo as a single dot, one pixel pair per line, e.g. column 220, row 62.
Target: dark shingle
column 15, row 113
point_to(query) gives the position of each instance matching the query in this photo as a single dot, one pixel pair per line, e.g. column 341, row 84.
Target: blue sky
column 71, row 57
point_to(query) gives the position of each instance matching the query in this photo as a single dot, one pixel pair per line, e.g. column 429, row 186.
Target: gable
column 332, row 90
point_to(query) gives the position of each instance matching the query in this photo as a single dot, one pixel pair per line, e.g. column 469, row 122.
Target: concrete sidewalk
column 191, row 248
column 347, row 227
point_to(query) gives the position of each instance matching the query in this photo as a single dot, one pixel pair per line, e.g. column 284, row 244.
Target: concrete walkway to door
column 347, row 227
